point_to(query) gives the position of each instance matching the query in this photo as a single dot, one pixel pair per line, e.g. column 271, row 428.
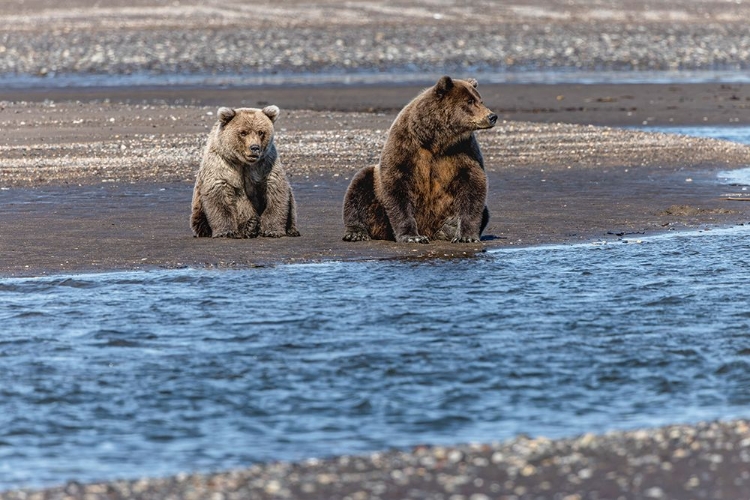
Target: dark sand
column 596, row 104
column 96, row 184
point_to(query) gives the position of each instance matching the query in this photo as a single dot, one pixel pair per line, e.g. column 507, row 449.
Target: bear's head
column 462, row 105
column 246, row 134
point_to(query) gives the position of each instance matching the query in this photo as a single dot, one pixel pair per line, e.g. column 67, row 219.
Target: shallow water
column 151, row 373
column 737, row 177
column 345, row 78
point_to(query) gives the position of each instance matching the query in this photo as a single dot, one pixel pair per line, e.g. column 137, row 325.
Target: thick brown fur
column 241, row 190
column 430, row 182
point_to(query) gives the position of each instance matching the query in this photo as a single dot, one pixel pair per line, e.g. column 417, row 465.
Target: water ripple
column 114, row 369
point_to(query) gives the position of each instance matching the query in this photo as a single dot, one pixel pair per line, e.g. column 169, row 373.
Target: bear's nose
column 255, row 149
column 492, row 118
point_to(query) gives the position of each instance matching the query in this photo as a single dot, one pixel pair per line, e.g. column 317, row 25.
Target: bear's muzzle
column 254, row 152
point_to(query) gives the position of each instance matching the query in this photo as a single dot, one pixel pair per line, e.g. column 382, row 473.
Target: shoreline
column 701, row 460
column 105, row 184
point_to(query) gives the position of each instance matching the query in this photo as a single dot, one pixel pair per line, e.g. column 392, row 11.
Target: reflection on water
column 150, row 373
column 739, row 134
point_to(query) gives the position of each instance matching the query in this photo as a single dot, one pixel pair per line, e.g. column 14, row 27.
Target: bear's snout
column 492, row 118
column 255, row 149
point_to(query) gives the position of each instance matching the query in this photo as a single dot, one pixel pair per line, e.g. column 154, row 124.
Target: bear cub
column 430, row 182
column 241, row 190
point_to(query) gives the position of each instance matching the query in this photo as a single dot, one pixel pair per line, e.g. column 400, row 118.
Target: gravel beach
column 154, row 37
column 706, row 460
column 104, row 110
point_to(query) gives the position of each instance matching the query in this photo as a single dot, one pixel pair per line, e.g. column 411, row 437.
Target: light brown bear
column 241, row 190
column 430, row 182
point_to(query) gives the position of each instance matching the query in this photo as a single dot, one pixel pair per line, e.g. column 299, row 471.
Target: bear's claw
column 465, row 239
column 226, row 234
column 414, row 239
column 356, row 236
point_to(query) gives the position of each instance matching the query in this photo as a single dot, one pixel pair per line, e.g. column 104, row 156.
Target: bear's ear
column 443, row 86
column 271, row 112
column 226, row 115
column 473, row 82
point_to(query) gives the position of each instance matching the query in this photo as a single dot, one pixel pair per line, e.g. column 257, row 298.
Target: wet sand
column 91, row 184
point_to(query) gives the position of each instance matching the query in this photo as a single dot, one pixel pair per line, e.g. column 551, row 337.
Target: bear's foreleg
column 399, row 207
column 470, row 209
column 277, row 220
column 228, row 211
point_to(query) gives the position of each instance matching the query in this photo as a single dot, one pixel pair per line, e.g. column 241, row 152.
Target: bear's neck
column 440, row 139
column 436, row 134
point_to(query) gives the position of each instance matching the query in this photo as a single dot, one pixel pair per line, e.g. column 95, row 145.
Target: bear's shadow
column 492, row 237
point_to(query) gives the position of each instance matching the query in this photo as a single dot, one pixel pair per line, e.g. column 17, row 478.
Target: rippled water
column 530, row 75
column 151, row 373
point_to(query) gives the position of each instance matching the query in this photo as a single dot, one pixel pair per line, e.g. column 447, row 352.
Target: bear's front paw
column 249, row 229
column 226, row 234
column 272, row 234
column 465, row 239
column 293, row 233
column 413, row 239
column 356, row 236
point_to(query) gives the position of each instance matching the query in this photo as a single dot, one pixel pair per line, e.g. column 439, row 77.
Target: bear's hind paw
column 293, row 233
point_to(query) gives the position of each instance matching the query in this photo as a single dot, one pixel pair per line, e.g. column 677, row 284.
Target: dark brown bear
column 430, row 183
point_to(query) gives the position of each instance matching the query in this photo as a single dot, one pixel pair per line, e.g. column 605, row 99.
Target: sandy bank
column 102, row 185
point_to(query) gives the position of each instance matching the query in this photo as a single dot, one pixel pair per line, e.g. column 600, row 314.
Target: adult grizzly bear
column 430, row 182
column 241, row 190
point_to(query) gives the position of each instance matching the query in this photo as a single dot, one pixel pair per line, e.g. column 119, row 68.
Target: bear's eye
column 243, row 133
column 471, row 101
column 262, row 135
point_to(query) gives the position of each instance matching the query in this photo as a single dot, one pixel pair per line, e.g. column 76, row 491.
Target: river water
column 344, row 78
column 150, row 373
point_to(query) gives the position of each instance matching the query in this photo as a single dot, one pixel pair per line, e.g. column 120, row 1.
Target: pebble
column 611, row 462
column 356, row 38
column 84, row 153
